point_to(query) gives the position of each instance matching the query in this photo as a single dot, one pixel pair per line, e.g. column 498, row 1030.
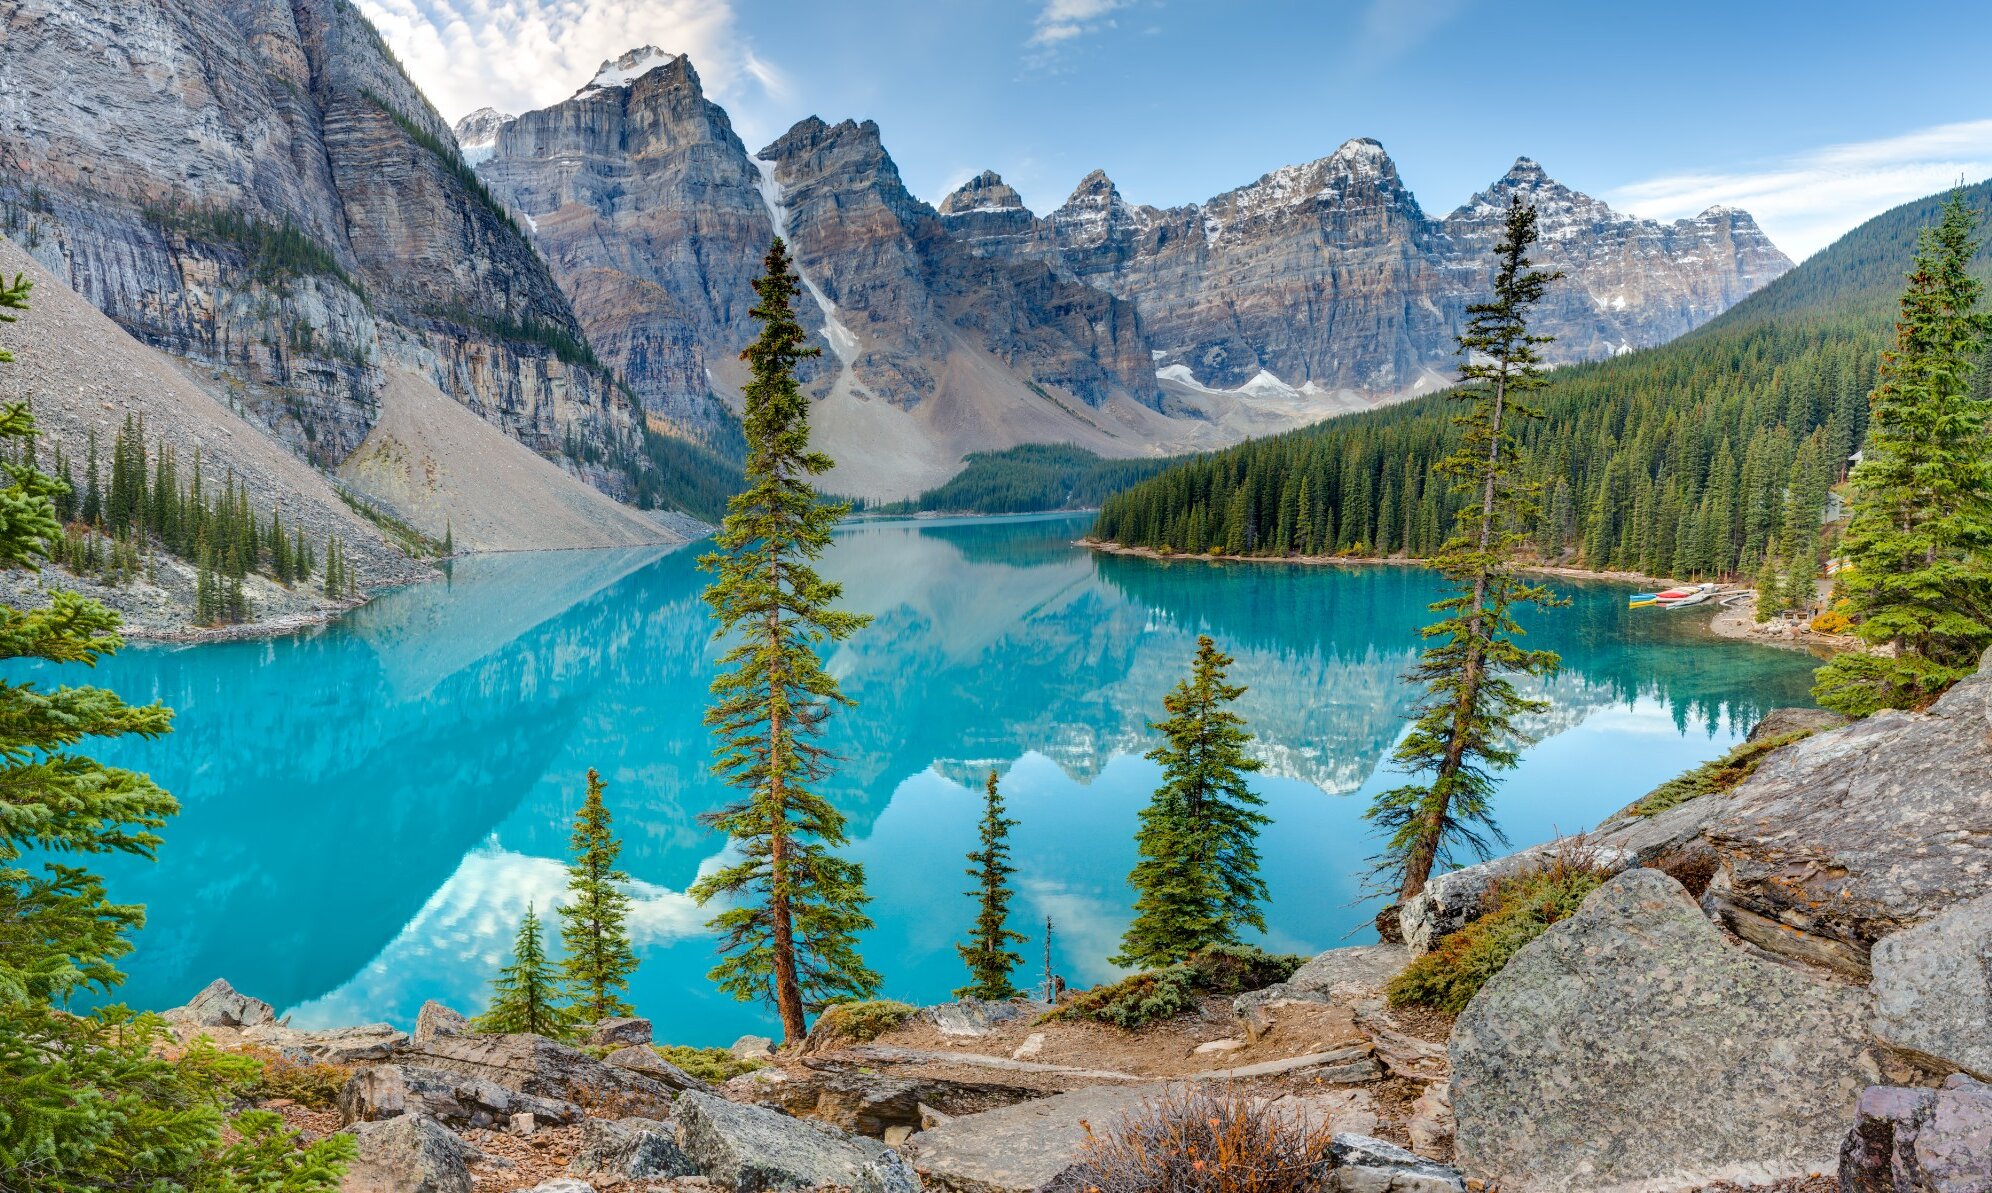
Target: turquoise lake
column 368, row 809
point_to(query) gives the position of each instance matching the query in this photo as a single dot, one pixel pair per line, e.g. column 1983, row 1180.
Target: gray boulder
column 534, row 1065
column 1933, row 990
column 1631, row 1046
column 641, row 1058
column 1843, row 838
column 218, row 1005
column 630, row 1149
column 620, row 1033
column 1023, row 1147
column 752, row 1048
column 407, row 1154
column 389, row 1091
column 973, row 1017
column 1920, row 1140
column 1345, row 976
column 1783, row 722
column 435, row 1021
column 751, row 1148
column 855, row 1099
column 1367, row 1165
column 336, row 1046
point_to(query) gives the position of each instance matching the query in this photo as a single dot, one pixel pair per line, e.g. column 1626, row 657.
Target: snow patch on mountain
column 626, row 69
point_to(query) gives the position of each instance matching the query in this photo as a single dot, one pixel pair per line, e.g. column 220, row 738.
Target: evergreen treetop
column 1919, row 543
column 987, row 953
column 795, row 907
column 1464, row 728
column 594, row 922
column 524, row 994
column 1197, row 882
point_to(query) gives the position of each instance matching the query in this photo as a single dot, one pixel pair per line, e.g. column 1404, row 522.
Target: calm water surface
column 368, row 809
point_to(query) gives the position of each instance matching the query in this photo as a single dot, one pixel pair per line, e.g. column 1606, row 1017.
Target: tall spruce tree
column 1197, row 882
column 794, row 907
column 1919, row 543
column 988, row 954
column 594, row 922
column 1464, row 727
column 90, row 1102
column 524, row 994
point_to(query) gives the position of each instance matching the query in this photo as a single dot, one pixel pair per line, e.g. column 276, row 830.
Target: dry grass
column 1200, row 1140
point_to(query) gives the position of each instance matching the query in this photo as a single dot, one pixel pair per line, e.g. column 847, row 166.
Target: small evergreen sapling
column 1197, row 882
column 988, row 954
column 523, row 993
column 594, row 922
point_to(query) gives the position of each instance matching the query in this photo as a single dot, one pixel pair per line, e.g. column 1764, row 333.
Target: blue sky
column 1811, row 115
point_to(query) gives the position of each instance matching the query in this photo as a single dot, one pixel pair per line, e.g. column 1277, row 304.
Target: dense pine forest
column 1700, row 458
column 1029, row 479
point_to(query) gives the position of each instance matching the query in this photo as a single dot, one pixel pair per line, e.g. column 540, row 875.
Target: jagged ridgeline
column 1680, row 460
column 120, row 510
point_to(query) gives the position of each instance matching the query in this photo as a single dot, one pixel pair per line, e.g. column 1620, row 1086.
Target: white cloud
column 517, row 55
column 1807, row 200
column 1392, row 28
column 1060, row 22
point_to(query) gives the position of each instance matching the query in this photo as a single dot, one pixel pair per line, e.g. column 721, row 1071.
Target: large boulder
column 389, row 1091
column 1920, row 1140
column 1852, row 834
column 1454, row 899
column 620, row 1033
column 1631, row 1046
column 435, row 1021
column 336, row 1046
column 219, row 1005
column 642, row 1058
column 751, row 1148
column 1367, row 1165
column 1346, row 976
column 863, row 1102
column 972, row 1018
column 407, row 1154
column 1933, row 990
column 530, row 1064
column 1020, row 1148
column 630, row 1149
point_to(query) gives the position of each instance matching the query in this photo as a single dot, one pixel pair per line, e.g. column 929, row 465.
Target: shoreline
column 1730, row 623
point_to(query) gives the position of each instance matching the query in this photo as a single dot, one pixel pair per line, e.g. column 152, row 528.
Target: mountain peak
column 477, row 133
column 628, row 67
column 985, row 192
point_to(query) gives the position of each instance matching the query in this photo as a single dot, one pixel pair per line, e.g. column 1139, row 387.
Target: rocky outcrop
column 259, row 188
column 749, row 1149
column 220, row 1005
column 1933, row 990
column 1367, row 1165
column 851, row 1097
column 630, row 1149
column 1338, row 975
column 409, row 1154
column 435, row 1021
column 1631, row 1046
column 641, row 1058
column 1020, row 1148
column 1920, row 1140
column 336, row 1046
column 538, row 1066
column 619, row 1033
column 388, row 1091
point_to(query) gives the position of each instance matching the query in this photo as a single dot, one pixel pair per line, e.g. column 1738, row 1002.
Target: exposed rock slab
column 435, row 1021
column 620, row 1033
column 408, row 1154
column 630, row 1149
column 1364, row 1164
column 972, row 1018
column 1632, row 1047
column 220, row 1005
column 1920, row 1140
column 643, row 1059
column 751, row 1148
column 1339, row 975
column 1021, row 1147
column 379, row 1092
column 866, row 1103
column 1933, row 989
column 533, row 1065
column 338, row 1045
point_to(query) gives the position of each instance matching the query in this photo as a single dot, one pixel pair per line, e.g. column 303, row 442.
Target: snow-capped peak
column 477, row 133
column 626, row 69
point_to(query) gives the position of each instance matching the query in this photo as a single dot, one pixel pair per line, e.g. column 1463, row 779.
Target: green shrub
column 863, row 1022
column 716, row 1065
column 313, row 1085
column 1712, row 778
column 1521, row 908
column 1157, row 994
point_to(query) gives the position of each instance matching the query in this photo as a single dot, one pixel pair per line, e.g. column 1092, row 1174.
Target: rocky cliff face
column 1328, row 279
column 644, row 204
column 256, row 186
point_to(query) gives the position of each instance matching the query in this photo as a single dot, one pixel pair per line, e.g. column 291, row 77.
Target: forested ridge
column 1697, row 458
column 1029, row 479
